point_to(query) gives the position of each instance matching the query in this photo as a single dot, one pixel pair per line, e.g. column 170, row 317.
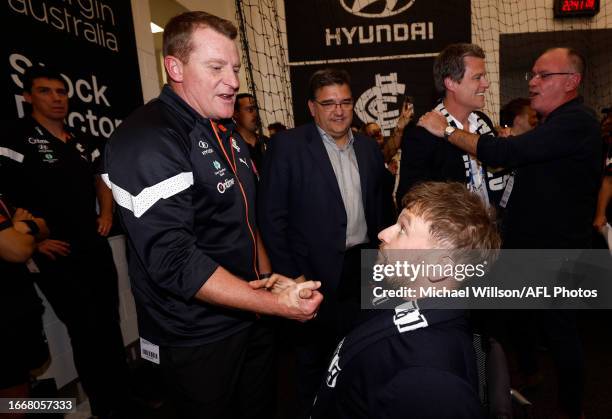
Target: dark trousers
column 82, row 290
column 230, row 378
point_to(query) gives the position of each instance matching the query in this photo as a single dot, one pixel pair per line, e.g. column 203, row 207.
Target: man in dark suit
column 320, row 203
column 460, row 78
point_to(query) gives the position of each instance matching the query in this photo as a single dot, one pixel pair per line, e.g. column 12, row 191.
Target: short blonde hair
column 458, row 219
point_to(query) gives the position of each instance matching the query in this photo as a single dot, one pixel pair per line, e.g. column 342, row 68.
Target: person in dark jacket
column 185, row 189
column 460, row 78
column 320, row 203
column 416, row 361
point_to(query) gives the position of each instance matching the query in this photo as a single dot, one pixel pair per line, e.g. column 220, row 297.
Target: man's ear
column 311, row 106
column 28, row 97
column 442, row 261
column 450, row 84
column 174, row 68
column 573, row 82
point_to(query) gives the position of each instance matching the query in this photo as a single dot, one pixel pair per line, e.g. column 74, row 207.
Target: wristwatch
column 448, row 131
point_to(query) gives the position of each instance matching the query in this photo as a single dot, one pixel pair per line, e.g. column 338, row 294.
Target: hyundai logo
column 376, row 8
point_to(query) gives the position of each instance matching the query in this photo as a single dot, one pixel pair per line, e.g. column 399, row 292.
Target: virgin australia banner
column 91, row 42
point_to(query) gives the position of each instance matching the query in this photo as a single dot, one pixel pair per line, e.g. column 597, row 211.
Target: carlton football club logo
column 380, row 103
column 376, row 8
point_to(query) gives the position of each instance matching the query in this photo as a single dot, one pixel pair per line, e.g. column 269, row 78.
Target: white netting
column 512, row 33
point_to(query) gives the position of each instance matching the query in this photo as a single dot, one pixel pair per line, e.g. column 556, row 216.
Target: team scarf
column 493, row 179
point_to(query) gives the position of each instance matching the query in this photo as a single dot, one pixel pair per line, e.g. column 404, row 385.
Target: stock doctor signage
column 91, row 42
column 387, row 46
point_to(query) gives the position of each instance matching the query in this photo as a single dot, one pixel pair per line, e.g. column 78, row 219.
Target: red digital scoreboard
column 576, row 8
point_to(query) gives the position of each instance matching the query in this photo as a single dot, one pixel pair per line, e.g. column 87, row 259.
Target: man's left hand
column 434, row 122
column 301, row 301
column 104, row 224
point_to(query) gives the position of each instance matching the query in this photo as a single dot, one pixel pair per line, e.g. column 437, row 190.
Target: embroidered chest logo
column 218, row 170
column 206, row 148
column 235, row 145
column 35, row 141
column 49, row 158
column 225, row 185
column 42, row 145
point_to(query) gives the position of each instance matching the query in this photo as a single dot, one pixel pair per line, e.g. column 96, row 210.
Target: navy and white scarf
column 487, row 182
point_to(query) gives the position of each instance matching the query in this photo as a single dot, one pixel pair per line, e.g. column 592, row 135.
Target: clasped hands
column 300, row 297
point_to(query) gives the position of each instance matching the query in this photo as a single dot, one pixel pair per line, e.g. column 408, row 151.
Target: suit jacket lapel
column 321, row 158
